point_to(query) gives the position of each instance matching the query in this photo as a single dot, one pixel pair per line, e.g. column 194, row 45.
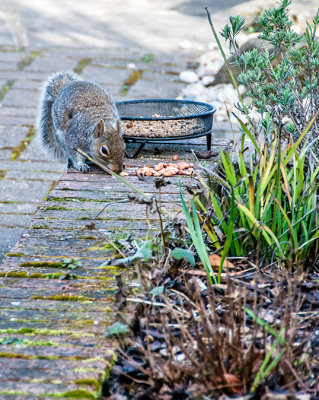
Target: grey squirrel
column 78, row 114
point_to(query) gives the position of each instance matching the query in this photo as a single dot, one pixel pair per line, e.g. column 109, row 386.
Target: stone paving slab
column 12, row 136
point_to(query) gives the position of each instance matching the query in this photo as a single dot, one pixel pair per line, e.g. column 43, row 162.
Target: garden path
column 52, row 341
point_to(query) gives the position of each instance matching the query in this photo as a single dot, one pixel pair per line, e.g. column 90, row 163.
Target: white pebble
column 131, row 66
column 206, row 80
column 185, row 44
column 188, row 76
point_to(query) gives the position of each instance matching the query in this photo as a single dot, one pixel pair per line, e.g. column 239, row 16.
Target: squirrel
column 79, row 114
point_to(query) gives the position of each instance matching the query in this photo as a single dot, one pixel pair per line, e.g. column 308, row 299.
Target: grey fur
column 70, row 110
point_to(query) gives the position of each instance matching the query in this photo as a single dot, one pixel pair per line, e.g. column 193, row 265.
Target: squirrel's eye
column 104, row 150
column 70, row 115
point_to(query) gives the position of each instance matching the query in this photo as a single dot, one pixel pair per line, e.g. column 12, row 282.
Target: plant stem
column 109, row 171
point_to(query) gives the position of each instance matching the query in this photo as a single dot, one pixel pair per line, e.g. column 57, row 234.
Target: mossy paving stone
column 81, row 325
column 146, row 186
column 107, row 215
column 81, row 222
column 58, row 285
column 65, row 234
column 70, row 293
column 57, row 306
column 91, row 252
column 87, row 275
column 90, row 324
column 97, row 196
column 96, row 207
column 18, row 397
column 69, row 367
column 55, row 351
column 38, row 316
column 60, row 342
column 56, row 242
column 45, row 389
column 70, row 224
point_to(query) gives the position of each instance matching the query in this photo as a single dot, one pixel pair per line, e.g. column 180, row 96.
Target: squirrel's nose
column 117, row 168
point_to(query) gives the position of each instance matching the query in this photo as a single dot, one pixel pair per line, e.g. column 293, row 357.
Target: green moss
column 57, row 208
column 131, row 80
column 72, row 394
column 37, row 357
column 88, row 237
column 13, row 355
column 38, row 227
column 6, row 88
column 3, row 173
column 90, row 382
column 63, row 297
column 29, row 343
column 15, row 255
column 45, row 332
column 14, row 393
column 89, row 369
column 75, row 199
column 147, row 58
column 82, row 64
column 16, row 274
column 16, row 151
column 27, row 61
column 44, row 264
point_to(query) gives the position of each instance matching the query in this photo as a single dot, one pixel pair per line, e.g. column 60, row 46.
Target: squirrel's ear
column 99, row 129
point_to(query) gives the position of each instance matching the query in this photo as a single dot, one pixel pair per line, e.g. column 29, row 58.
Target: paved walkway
column 52, row 329
column 53, row 319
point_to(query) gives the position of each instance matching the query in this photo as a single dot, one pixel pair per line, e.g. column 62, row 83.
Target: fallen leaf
column 233, row 383
column 214, row 260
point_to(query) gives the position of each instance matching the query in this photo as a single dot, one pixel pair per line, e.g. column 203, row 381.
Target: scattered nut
column 182, row 165
column 175, row 157
column 166, row 169
column 123, row 173
column 158, row 167
column 139, row 172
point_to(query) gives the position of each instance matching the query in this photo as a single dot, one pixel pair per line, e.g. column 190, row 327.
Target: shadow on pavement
column 197, row 7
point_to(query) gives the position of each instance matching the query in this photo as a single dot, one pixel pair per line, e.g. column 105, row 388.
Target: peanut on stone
column 158, row 167
column 182, row 165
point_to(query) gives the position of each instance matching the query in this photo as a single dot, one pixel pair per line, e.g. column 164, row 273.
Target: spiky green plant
column 267, row 209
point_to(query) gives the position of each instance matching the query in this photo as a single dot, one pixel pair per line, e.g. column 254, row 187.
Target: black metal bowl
column 163, row 120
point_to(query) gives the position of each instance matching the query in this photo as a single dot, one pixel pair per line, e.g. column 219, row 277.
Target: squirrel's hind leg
column 77, row 161
column 69, row 163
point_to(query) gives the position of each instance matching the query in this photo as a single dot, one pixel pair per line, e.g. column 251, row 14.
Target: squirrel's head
column 109, row 146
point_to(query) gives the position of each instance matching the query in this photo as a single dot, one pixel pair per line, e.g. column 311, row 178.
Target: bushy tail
column 44, row 123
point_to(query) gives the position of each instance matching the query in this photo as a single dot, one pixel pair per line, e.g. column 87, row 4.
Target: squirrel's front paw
column 82, row 167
